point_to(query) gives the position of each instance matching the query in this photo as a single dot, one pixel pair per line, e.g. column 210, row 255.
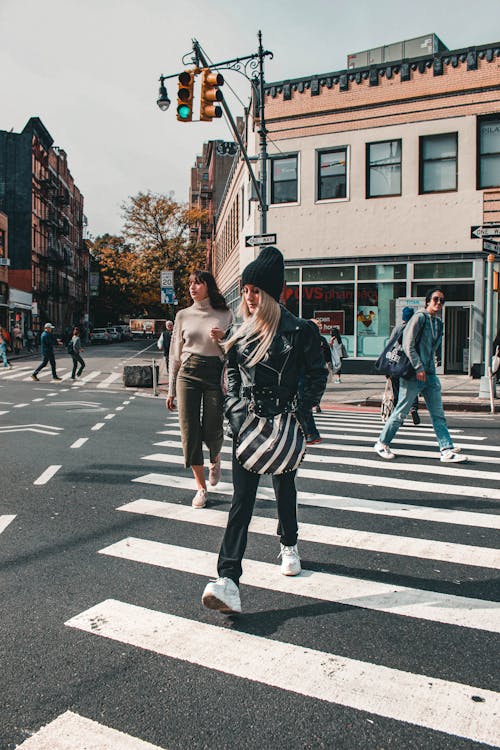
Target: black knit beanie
column 267, row 272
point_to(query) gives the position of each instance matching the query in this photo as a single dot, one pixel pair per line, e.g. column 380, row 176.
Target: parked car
column 114, row 333
column 125, row 332
column 101, row 336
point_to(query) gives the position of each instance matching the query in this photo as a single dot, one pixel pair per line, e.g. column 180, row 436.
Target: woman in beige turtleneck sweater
column 195, row 370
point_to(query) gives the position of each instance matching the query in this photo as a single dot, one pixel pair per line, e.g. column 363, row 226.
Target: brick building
column 376, row 176
column 4, row 270
column 209, row 176
column 48, row 272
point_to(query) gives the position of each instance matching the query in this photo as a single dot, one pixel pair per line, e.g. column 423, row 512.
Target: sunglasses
column 438, row 299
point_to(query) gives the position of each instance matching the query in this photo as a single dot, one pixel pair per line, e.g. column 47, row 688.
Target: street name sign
column 260, row 239
column 487, row 230
column 490, row 246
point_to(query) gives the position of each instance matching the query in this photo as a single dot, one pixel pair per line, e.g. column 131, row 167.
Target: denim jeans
column 409, row 389
column 235, row 538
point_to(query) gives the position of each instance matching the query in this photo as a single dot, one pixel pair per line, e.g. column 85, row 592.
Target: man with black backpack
column 421, row 339
column 163, row 342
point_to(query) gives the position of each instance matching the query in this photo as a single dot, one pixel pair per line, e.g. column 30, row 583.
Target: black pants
column 77, row 360
column 235, row 538
column 45, row 361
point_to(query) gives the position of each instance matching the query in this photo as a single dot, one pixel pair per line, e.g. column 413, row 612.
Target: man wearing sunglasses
column 421, row 340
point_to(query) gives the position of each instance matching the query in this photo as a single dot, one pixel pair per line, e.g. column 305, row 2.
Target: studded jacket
column 292, row 375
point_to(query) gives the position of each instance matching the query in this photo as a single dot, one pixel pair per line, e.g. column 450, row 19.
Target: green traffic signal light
column 185, row 96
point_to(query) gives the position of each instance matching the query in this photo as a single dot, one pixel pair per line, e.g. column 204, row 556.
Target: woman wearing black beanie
column 267, row 355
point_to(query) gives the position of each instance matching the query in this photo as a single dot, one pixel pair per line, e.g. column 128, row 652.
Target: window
column 382, row 271
column 284, row 184
column 332, row 174
column 488, row 152
column 383, row 168
column 328, row 273
column 438, row 163
column 447, row 270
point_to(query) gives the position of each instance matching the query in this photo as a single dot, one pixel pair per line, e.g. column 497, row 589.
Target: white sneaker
column 290, row 560
column 223, row 595
column 384, row 451
column 200, row 499
column 450, row 455
column 214, row 472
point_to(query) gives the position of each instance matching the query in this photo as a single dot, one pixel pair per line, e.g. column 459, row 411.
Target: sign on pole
column 487, row 230
column 260, row 239
column 167, row 292
column 491, row 246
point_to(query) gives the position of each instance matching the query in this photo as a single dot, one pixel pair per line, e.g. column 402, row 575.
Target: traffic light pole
column 485, row 383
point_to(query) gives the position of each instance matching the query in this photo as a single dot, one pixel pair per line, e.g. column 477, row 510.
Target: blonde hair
column 260, row 326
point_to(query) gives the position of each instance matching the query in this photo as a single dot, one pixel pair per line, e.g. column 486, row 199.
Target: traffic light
column 185, row 96
column 210, row 93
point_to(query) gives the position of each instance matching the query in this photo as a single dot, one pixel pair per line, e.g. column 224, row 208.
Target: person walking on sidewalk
column 165, row 340
column 339, row 352
column 421, row 339
column 48, row 341
column 195, row 367
column 75, row 349
column 406, row 314
column 3, row 352
column 267, row 355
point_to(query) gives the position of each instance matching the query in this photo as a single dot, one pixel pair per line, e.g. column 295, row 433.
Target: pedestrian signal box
column 210, row 94
column 185, row 93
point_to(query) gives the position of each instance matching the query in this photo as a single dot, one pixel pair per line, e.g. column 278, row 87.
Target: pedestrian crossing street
column 433, row 507
column 97, row 378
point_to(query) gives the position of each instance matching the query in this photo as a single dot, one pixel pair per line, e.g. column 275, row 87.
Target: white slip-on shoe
column 214, row 472
column 290, row 560
column 450, row 456
column 384, row 451
column 200, row 499
column 222, row 595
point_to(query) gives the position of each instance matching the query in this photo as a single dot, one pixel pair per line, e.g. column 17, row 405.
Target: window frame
column 281, row 157
column 480, row 119
column 422, row 162
column 329, row 150
column 368, row 167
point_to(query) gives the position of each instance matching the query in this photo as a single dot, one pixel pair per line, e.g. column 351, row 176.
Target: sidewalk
column 460, row 393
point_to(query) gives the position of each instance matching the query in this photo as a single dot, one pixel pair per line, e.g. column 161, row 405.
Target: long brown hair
column 214, row 294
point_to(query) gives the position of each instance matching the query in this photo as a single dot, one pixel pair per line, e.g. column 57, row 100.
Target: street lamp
column 163, row 101
column 244, row 65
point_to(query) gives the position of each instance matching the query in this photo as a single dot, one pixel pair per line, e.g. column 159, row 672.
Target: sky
column 90, row 71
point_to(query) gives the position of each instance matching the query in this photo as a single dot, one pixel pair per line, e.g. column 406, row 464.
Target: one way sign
column 260, row 239
column 487, row 230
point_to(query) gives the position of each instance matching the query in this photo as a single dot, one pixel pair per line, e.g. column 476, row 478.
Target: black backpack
column 70, row 347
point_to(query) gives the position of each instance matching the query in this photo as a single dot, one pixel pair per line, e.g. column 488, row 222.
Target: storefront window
column 453, row 292
column 328, row 273
column 291, row 274
column 448, row 270
column 333, row 305
column 375, row 315
column 291, row 298
column 382, row 271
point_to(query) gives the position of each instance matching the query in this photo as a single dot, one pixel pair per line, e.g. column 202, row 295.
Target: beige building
column 376, row 176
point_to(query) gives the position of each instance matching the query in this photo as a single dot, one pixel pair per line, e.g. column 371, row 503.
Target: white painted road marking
column 422, row 700
column 338, row 502
column 97, row 426
column 354, row 592
column 110, row 379
column 78, row 443
column 405, row 546
column 73, row 732
column 4, row 522
column 48, row 474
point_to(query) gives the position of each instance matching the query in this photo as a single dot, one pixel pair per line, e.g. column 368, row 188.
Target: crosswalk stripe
column 422, row 428
column 12, row 375
column 405, row 546
column 417, row 432
column 353, row 592
column 327, row 436
column 89, row 377
column 443, row 470
column 409, row 485
column 338, row 502
column 4, row 522
column 110, row 379
column 422, row 700
column 73, row 732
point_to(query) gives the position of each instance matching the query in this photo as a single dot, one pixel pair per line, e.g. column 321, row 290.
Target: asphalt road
column 388, row 640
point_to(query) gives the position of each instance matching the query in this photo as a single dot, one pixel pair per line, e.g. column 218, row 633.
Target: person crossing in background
column 195, row 373
column 267, row 356
column 339, row 352
column 3, row 352
column 47, row 342
column 164, row 341
column 75, row 349
column 421, row 340
column 406, row 314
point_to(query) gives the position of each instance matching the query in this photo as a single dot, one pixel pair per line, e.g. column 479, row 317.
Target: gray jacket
column 422, row 355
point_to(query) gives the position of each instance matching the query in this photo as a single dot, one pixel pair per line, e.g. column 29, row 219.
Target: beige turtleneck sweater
column 192, row 336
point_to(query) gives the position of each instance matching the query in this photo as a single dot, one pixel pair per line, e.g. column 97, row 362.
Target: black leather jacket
column 294, row 357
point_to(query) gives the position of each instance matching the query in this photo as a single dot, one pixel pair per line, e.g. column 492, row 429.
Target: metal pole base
column 484, row 387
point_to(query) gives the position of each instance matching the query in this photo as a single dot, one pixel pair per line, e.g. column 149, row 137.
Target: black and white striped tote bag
column 270, row 445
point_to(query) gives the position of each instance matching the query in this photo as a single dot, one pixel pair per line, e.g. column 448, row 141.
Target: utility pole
column 484, row 384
